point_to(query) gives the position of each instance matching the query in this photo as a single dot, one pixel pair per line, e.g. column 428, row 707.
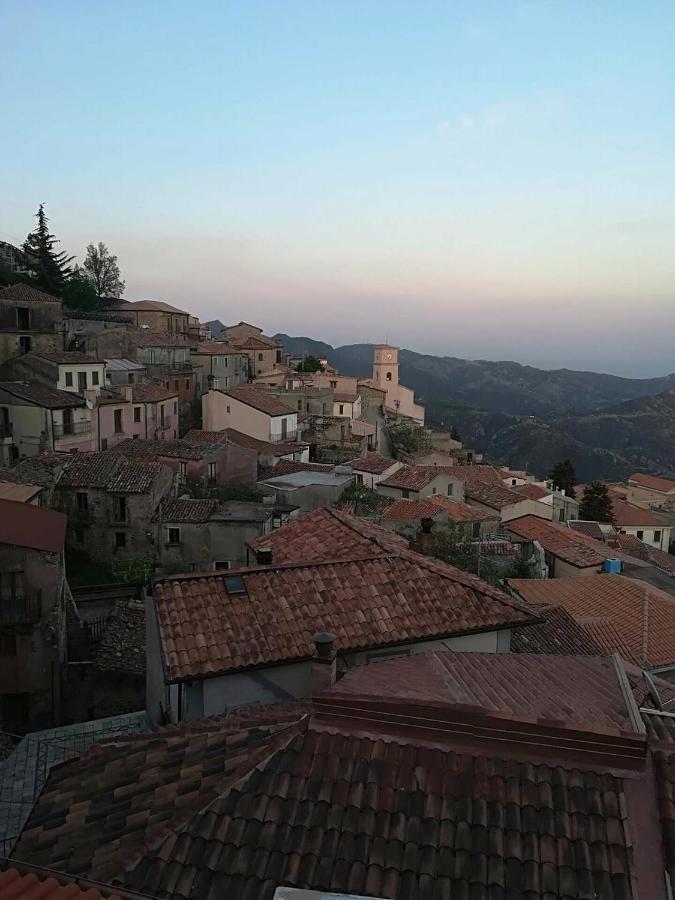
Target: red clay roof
column 559, row 633
column 213, row 348
column 345, row 398
column 591, row 529
column 268, row 614
column 459, row 512
column 15, row 886
column 151, row 393
column 26, row 293
column 584, row 692
column 642, row 615
column 42, row 394
column 496, row 496
column 533, row 491
column 287, row 466
column 652, row 482
column 627, row 515
column 413, row 478
column 25, row 525
column 328, row 534
column 372, row 463
column 571, row 546
column 412, row 510
column 260, row 400
column 65, row 357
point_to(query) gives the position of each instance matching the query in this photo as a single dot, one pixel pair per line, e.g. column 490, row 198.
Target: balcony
column 181, row 367
column 278, row 438
column 19, row 610
column 70, row 429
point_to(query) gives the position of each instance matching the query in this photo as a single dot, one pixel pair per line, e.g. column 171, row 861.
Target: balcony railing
column 19, row 609
column 5, row 430
column 180, row 367
column 289, row 436
column 67, row 429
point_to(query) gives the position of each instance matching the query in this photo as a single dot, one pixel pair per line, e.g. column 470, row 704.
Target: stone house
column 36, row 417
column 29, row 320
column 202, row 535
column 33, row 592
column 268, row 455
column 116, row 417
column 161, row 410
column 308, row 489
column 120, row 371
column 650, row 526
column 152, row 314
column 65, row 370
column 347, row 405
column 372, row 468
column 81, row 328
column 650, row 491
column 250, row 410
column 110, row 502
column 264, row 353
column 399, row 400
column 418, row 482
column 218, row 365
column 503, row 502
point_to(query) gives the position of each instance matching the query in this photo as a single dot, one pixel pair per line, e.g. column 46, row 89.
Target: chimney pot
column 324, row 662
column 324, row 641
column 264, row 556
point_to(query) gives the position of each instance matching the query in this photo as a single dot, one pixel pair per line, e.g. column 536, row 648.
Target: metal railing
column 278, row 438
column 19, row 609
column 68, row 429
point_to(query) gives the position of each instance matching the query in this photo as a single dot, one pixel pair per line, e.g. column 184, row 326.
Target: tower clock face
column 388, row 356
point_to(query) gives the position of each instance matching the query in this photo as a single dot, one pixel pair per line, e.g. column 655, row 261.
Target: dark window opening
column 69, row 379
column 94, row 378
column 25, row 344
column 137, row 414
column 120, row 509
column 82, row 501
column 68, row 421
column 234, row 584
column 118, row 421
column 120, row 539
column 174, row 535
column 388, row 376
column 82, row 381
column 7, row 644
column 23, row 318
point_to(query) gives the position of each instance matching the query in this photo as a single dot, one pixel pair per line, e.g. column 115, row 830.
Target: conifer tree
column 50, row 270
column 564, row 477
column 596, row 504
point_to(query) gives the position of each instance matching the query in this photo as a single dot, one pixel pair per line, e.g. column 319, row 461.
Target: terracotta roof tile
column 218, row 623
column 412, row 510
column 30, row 886
column 496, row 496
column 328, row 534
column 626, row 514
column 652, row 482
column 413, row 478
column 65, row 357
column 186, row 510
column 151, row 393
column 108, row 470
column 459, row 512
column 258, row 399
column 26, row 293
column 345, row 398
column 591, row 529
column 22, row 492
column 134, row 478
column 25, row 525
column 559, row 633
column 572, row 546
column 42, row 394
column 149, row 450
column 533, row 491
column 642, row 616
column 372, row 463
column 287, row 466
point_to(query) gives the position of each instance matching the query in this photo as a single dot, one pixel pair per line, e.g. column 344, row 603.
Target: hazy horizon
column 487, row 180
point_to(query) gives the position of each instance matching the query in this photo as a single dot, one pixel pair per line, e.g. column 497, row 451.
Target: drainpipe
column 51, row 417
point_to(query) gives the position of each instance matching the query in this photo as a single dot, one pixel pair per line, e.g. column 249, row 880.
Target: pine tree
column 564, row 477
column 596, row 504
column 50, row 270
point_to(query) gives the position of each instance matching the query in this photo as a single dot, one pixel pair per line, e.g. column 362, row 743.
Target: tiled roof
column 42, row 394
column 412, row 510
column 606, row 635
column 26, row 293
column 197, row 436
column 413, row 478
column 571, row 546
column 186, row 510
column 496, row 496
column 91, row 470
column 152, row 306
column 472, row 474
column 345, row 398
column 328, row 534
column 22, row 492
column 130, row 792
column 30, row 886
column 150, row 449
column 286, row 466
column 559, row 634
column 630, row 543
column 584, row 692
column 25, row 525
column 120, row 364
column 591, row 529
column 372, row 463
column 260, row 400
column 642, row 615
column 459, row 512
column 255, row 342
column 151, row 393
column 66, row 357
column 248, row 442
column 122, row 647
column 533, row 491
column 43, row 469
column 652, row 482
column 142, row 337
column 627, row 515
column 663, row 560
column 213, row 348
column 209, row 624
column 133, row 478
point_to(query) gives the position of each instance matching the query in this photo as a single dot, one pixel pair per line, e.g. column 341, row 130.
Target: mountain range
column 528, row 417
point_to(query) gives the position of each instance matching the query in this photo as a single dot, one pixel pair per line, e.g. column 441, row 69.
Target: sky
column 489, row 180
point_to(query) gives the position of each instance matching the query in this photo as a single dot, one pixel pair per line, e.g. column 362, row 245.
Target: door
column 82, row 381
column 68, row 421
column 284, row 429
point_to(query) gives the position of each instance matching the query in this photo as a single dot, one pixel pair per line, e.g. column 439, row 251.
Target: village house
column 309, row 488
column 470, row 520
column 504, row 503
column 202, row 535
column 81, row 328
column 110, row 502
column 337, row 438
column 161, row 410
column 120, row 371
column 650, row 526
column 417, row 482
column 36, row 417
column 29, row 320
column 133, row 411
column 347, row 405
column 166, row 358
column 65, row 370
column 399, row 400
column 407, row 517
column 222, row 667
column 32, row 616
column 218, row 365
column 251, row 411
column 268, row 454
column 651, row 491
column 153, row 314
column 371, row 469
column 264, row 353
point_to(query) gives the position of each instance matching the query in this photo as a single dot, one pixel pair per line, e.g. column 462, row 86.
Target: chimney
column 324, row 662
column 264, row 556
column 127, row 392
column 424, row 542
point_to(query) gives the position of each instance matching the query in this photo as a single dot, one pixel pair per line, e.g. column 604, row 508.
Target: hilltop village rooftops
column 496, row 496
column 109, row 471
column 623, row 616
column 413, row 478
column 411, row 510
column 258, row 399
column 457, row 511
column 372, row 464
column 180, row 448
column 414, row 779
column 627, row 515
column 571, row 546
column 220, row 623
column 25, row 293
column 653, row 482
column 558, row 633
column 42, row 395
column 328, row 533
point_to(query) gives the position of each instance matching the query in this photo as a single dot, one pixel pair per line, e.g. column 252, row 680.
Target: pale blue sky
column 482, row 179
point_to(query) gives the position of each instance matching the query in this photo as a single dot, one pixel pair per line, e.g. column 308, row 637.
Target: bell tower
column 385, row 368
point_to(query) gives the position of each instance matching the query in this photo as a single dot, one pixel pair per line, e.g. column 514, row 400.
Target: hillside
column 505, row 387
column 609, row 426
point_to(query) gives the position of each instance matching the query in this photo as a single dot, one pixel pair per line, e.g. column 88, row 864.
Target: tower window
column 388, row 376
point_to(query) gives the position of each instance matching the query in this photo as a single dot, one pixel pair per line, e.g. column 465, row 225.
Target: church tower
column 385, row 369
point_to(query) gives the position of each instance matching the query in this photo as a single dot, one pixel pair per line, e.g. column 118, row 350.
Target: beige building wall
column 399, row 399
column 526, row 507
column 74, row 371
column 655, row 536
column 347, row 410
column 219, row 411
column 562, row 569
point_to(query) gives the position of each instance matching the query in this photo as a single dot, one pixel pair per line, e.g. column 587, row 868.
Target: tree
column 564, row 477
column 50, row 270
column 453, row 545
column 101, row 266
column 596, row 504
column 309, row 364
column 79, row 291
column 407, row 438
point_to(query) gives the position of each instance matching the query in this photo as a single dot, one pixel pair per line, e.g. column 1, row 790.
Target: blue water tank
column 612, row 566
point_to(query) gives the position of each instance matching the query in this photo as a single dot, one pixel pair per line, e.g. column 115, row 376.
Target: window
column 187, row 384
column 82, row 381
column 225, row 362
column 342, row 408
column 260, row 357
column 11, row 586
column 137, row 414
column 388, row 376
column 69, row 379
column 561, row 514
column 131, row 377
column 640, row 535
column 104, row 443
column 182, row 468
column 300, row 405
column 657, row 536
column 7, row 644
column 228, row 409
column 118, row 421
column 175, row 385
column 25, row 344
column 221, row 564
column 278, row 356
column 514, row 482
column 333, row 384
column 451, row 489
column 67, row 421
column 135, row 436
column 120, row 509
column 173, row 535
column 82, row 502
column 213, row 471
column 406, row 494
column 94, row 378
column 175, row 407
column 359, row 478
column 23, row 318
column 433, row 490
column 161, row 415
column 120, row 540
column 234, row 584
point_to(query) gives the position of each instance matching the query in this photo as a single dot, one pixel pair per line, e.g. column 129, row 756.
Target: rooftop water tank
column 612, row 566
